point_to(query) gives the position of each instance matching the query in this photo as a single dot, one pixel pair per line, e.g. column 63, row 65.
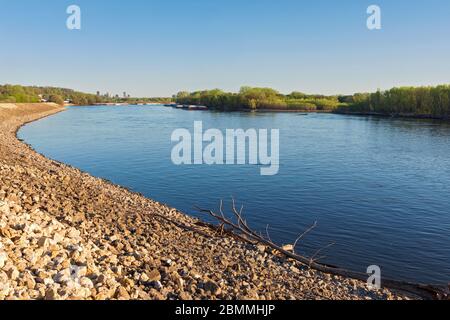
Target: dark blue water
column 379, row 188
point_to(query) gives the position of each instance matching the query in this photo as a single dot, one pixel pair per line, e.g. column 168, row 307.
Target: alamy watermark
column 235, row 147
column 374, row 280
column 374, row 19
column 73, row 22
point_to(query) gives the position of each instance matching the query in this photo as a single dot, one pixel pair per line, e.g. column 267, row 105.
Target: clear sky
column 159, row 47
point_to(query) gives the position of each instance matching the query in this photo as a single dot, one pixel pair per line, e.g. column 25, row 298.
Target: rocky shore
column 67, row 235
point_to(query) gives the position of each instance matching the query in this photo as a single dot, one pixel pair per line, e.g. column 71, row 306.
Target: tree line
column 406, row 101
column 409, row 101
column 258, row 98
column 32, row 94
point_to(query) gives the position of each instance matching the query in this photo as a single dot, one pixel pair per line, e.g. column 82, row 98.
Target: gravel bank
column 67, row 235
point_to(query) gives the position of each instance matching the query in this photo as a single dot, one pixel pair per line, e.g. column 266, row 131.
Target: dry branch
column 247, row 234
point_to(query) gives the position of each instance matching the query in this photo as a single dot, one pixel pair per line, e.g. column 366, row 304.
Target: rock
column 294, row 269
column 154, row 275
column 13, row 274
column 43, row 242
column 144, row 278
column 51, row 294
column 4, row 290
column 58, row 237
column 73, row 233
column 185, row 296
column 63, row 276
column 180, row 282
column 212, row 287
column 157, row 285
column 86, row 283
column 6, row 232
column 122, row 294
column 3, row 259
column 4, row 208
column 28, row 279
column 288, row 247
column 77, row 272
column 261, row 248
column 101, row 279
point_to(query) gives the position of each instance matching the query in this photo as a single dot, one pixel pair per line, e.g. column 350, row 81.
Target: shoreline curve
column 125, row 246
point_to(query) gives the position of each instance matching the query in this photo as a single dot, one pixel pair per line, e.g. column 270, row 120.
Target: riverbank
column 67, row 235
column 292, row 111
column 393, row 115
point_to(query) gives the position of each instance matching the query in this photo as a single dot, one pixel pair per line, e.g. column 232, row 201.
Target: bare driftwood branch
column 304, row 234
column 244, row 232
column 313, row 257
column 267, row 233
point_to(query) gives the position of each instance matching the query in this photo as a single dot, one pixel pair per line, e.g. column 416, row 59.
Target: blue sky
column 159, row 47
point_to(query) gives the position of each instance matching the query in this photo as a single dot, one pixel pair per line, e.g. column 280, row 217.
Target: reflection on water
column 378, row 187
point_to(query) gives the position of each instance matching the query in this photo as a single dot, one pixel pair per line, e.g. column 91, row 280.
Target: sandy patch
column 7, row 106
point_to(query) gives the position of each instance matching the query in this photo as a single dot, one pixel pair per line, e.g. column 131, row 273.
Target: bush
column 56, row 99
column 302, row 106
